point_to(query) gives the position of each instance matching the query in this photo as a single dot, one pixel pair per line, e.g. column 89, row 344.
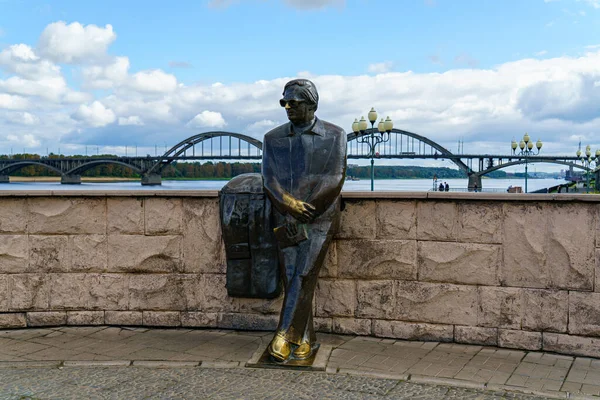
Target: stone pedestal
column 316, row 362
column 151, row 179
column 70, row 179
column 474, row 179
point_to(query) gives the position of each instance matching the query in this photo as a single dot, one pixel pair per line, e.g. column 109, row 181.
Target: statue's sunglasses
column 291, row 103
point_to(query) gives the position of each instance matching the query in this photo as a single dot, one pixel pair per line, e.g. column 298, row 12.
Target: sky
column 110, row 75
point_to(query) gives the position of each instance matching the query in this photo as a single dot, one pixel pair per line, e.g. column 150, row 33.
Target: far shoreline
column 104, row 179
column 57, row 179
column 108, row 179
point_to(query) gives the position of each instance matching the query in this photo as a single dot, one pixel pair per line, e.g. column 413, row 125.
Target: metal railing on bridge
column 227, row 146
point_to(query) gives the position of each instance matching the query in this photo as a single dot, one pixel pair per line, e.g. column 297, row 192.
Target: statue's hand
column 303, row 212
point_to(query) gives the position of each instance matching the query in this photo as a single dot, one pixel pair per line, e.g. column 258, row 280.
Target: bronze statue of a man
column 303, row 166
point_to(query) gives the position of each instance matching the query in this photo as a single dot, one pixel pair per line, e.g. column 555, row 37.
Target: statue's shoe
column 280, row 348
column 303, row 351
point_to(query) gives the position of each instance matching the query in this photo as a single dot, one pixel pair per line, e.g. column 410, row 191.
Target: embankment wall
column 508, row 270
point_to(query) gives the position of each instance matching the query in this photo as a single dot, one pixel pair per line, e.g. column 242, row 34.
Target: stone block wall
column 509, row 270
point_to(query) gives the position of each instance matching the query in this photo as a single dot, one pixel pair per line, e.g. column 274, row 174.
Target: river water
column 411, row 185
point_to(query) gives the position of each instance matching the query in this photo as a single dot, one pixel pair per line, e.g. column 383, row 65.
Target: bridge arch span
column 512, row 163
column 190, row 142
column 444, row 153
column 26, row 163
column 92, row 164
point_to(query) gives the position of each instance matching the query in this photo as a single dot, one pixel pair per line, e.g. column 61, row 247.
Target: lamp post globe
column 362, row 124
column 368, row 137
column 388, row 124
column 381, row 126
column 526, row 146
column 587, row 159
column 355, row 126
column 372, row 116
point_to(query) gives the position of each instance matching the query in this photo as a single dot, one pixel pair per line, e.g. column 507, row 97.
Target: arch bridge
column 405, row 144
column 222, row 145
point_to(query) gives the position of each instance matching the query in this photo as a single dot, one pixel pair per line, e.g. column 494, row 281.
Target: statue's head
column 300, row 100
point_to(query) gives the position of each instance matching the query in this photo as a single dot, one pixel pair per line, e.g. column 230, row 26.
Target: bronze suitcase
column 250, row 245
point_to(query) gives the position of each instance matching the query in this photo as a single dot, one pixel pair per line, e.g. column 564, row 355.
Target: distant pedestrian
column 441, row 188
column 446, row 186
column 475, row 187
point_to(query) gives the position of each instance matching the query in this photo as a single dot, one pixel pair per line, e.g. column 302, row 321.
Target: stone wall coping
column 109, row 193
column 559, row 197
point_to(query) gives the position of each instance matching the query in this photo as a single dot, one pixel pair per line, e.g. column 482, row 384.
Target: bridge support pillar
column 474, row 179
column 151, row 179
column 70, row 179
column 4, row 179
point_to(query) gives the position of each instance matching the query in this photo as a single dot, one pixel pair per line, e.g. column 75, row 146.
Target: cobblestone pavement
column 130, row 363
column 210, row 383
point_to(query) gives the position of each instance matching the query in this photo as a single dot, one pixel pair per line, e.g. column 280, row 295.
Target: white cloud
column 261, row 127
column 22, row 118
column 551, row 95
column 381, row 68
column 153, row 81
column 21, row 60
column 207, row 119
column 143, row 105
column 27, row 140
column 18, row 53
column 106, row 76
column 75, row 97
column 131, row 120
column 115, row 74
column 541, row 53
column 74, row 42
column 50, row 88
column 94, row 115
column 12, row 102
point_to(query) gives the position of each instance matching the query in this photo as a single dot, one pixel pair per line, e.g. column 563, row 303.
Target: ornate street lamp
column 526, row 150
column 587, row 159
column 372, row 140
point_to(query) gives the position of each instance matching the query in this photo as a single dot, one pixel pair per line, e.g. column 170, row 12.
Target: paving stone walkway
column 139, row 363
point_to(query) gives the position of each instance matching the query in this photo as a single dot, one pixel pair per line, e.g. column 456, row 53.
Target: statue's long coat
column 310, row 167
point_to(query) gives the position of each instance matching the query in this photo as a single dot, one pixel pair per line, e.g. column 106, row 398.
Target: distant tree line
column 412, row 172
column 208, row 170
column 224, row 170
